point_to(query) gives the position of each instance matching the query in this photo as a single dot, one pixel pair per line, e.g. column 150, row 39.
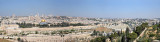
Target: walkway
column 140, row 35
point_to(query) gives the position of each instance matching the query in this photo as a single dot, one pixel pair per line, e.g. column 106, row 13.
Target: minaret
column 29, row 17
column 37, row 14
column 13, row 15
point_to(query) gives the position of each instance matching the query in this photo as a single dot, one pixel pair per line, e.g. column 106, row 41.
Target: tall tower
column 13, row 15
column 29, row 17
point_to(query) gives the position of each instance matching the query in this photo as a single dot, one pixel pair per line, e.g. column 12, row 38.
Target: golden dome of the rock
column 43, row 20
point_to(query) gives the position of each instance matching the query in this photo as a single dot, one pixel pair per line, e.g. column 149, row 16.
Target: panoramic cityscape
column 79, row 21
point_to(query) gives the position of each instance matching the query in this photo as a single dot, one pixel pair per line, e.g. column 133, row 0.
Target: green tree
column 151, row 35
column 18, row 39
column 144, row 25
column 113, row 36
column 36, row 32
column 119, row 33
column 94, row 33
column 99, row 39
column 124, row 38
column 138, row 30
column 154, row 27
column 53, row 33
column 127, row 31
column 132, row 36
column 72, row 30
column 46, row 33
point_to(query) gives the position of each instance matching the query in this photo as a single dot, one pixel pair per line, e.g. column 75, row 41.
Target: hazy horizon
column 83, row 8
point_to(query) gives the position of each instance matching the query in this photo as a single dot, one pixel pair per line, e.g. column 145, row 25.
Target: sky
column 83, row 8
